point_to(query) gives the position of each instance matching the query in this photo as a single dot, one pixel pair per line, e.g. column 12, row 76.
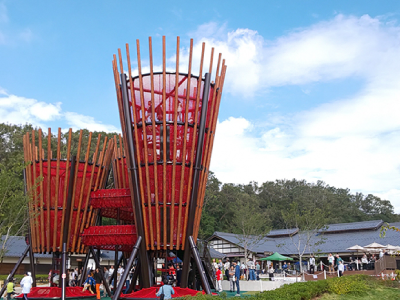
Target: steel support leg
column 84, row 270
column 199, row 265
column 15, row 269
column 127, row 269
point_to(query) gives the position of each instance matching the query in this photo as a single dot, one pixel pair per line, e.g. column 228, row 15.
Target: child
column 218, row 276
column 341, row 268
column 89, row 283
column 10, row 288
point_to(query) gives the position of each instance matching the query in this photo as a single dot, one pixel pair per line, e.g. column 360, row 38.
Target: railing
column 386, row 262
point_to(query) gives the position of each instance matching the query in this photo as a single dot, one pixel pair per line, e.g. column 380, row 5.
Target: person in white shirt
column 312, row 264
column 227, row 266
column 120, row 271
column 110, row 275
column 26, row 285
column 331, row 261
column 340, row 269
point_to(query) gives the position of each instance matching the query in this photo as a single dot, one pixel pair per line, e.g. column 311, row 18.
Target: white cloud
column 351, row 142
column 20, row 110
column 78, row 121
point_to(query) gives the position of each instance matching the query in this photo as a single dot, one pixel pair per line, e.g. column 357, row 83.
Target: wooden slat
column 48, row 190
column 42, row 229
column 57, row 190
column 186, row 120
column 221, row 80
column 194, row 139
column 106, row 166
column 171, row 244
column 121, row 154
column 135, row 122
column 203, row 179
column 75, row 231
column 85, row 207
column 66, row 182
column 28, row 183
column 146, row 154
column 164, row 146
column 153, row 122
column 118, row 171
column 100, row 163
column 76, row 173
column 35, row 194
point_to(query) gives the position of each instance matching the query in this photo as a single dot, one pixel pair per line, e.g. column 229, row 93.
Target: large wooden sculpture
column 168, row 120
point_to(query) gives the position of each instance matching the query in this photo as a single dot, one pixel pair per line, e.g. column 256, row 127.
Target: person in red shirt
column 218, row 276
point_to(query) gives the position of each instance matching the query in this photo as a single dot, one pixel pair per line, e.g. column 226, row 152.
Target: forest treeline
column 227, row 207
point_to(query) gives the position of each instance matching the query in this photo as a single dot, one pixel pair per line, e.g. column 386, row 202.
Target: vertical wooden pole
column 57, row 191
column 164, row 146
column 75, row 232
column 49, row 201
column 146, row 154
column 138, row 160
column 35, row 195
column 66, row 183
column 183, row 167
column 42, row 228
column 171, row 245
column 154, row 142
column 195, row 130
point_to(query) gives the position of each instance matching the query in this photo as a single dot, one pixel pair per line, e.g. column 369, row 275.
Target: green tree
column 309, row 221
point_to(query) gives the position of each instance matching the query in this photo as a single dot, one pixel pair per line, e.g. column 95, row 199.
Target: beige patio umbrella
column 357, row 249
column 375, row 246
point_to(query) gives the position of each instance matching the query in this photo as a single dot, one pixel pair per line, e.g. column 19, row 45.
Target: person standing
column 110, row 275
column 98, row 279
column 364, row 261
column 119, row 273
column 10, row 288
column 331, row 260
column 340, row 269
column 231, row 277
column 258, row 268
column 218, row 278
column 271, row 272
column 26, row 284
column 166, row 289
column 237, row 277
column 312, row 264
column 227, row 267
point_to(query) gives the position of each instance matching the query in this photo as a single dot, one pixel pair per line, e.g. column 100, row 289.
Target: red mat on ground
column 55, row 292
column 151, row 293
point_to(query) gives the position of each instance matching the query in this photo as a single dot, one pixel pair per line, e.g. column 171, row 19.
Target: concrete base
column 256, row 285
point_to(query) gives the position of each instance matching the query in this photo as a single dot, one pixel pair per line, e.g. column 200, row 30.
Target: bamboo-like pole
column 28, row 162
column 208, row 158
column 43, row 242
column 66, row 182
column 203, row 176
column 171, row 245
column 100, row 163
column 164, row 146
column 75, row 231
column 135, row 132
column 76, row 173
column 146, row 155
column 183, row 167
column 118, row 172
column 85, row 212
column 189, row 190
column 106, row 167
column 154, row 140
column 35, row 194
column 57, row 190
column 121, row 154
column 48, row 188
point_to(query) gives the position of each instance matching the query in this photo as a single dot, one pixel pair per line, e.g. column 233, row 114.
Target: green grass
column 382, row 293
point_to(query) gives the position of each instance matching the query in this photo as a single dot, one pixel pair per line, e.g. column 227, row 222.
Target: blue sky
column 312, row 90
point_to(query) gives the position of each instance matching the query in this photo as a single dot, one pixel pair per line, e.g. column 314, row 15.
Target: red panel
column 107, row 237
column 55, row 293
column 63, row 178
